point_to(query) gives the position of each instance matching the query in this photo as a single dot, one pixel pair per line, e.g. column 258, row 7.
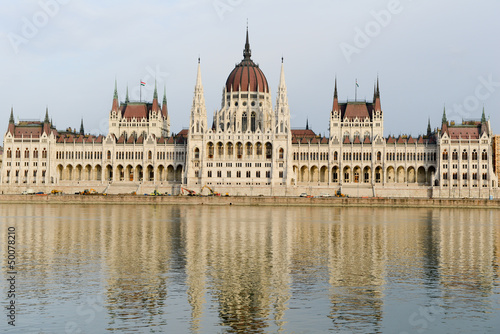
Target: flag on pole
column 143, row 83
column 357, row 83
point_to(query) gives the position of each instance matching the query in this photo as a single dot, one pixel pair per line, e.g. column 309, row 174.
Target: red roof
column 464, row 132
column 136, row 110
column 360, row 110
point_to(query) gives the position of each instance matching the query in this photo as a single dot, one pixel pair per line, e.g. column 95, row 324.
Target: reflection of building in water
column 357, row 253
column 467, row 255
column 244, row 260
column 139, row 253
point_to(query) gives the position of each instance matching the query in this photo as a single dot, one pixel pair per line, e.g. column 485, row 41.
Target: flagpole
column 356, row 91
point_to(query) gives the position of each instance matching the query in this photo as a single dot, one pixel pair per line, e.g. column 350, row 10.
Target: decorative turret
column 378, row 107
column 155, row 107
column 115, row 99
column 282, row 113
column 429, row 130
column 11, row 118
column 127, row 100
column 164, row 109
column 335, row 98
column 198, row 110
column 46, row 120
column 82, row 131
column 483, row 117
column 444, row 121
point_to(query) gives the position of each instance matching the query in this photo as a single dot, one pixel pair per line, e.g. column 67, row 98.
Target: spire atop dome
column 247, row 53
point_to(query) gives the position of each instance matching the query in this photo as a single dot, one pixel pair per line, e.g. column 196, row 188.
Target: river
column 236, row 269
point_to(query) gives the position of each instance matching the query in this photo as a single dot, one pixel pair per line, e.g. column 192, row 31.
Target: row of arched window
column 249, row 149
column 26, row 153
column 465, row 155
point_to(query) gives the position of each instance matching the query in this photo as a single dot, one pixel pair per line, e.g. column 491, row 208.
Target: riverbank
column 253, row 201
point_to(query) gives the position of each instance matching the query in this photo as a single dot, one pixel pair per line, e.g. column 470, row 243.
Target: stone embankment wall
column 252, row 201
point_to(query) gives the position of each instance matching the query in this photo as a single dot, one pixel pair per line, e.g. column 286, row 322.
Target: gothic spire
column 46, row 120
column 429, row 130
column 483, row 117
column 82, row 131
column 155, row 94
column 307, row 123
column 444, row 116
column 247, row 53
column 335, row 97
column 115, row 95
column 126, row 96
column 11, row 118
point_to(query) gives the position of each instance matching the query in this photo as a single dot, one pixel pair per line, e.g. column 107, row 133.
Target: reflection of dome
column 247, row 75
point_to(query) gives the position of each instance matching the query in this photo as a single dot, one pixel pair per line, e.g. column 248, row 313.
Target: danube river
column 228, row 269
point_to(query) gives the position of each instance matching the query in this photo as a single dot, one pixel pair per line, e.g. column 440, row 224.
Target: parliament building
column 248, row 148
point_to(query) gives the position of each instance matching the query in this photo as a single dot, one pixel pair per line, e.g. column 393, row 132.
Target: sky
column 66, row 55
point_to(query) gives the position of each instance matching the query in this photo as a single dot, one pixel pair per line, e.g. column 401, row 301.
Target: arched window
column 484, row 155
column 150, row 155
column 220, row 149
column 252, row 122
column 464, row 155
column 379, row 155
column 244, row 122
column 210, row 150
column 269, row 151
column 249, row 149
column 281, row 153
column 445, row 155
column 9, row 153
column 35, row 153
column 229, row 149
column 108, row 155
column 18, row 153
column 239, row 150
column 335, row 155
column 26, row 154
column 454, row 155
column 259, row 149
column 196, row 153
column 474, row 155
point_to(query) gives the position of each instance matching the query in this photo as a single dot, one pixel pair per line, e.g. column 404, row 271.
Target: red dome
column 247, row 75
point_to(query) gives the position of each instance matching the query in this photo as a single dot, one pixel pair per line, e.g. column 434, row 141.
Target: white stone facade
column 250, row 149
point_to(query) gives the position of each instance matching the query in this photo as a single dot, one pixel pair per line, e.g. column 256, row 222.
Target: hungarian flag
column 143, row 83
column 357, row 83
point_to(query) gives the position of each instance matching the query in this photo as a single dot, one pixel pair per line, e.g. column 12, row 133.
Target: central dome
column 247, row 76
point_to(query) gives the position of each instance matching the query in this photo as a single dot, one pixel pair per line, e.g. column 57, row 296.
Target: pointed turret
column 335, row 97
column 11, row 118
column 115, row 99
column 82, row 130
column 12, row 126
column 198, row 119
column 444, row 121
column 429, row 130
column 46, row 120
column 378, row 106
column 127, row 100
column 282, row 112
column 164, row 109
column 307, row 123
column 483, row 117
column 155, row 107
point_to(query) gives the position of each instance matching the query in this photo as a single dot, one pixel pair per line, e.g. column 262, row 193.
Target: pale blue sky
column 426, row 53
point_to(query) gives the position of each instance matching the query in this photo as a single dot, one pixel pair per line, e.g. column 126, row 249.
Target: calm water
column 199, row 269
